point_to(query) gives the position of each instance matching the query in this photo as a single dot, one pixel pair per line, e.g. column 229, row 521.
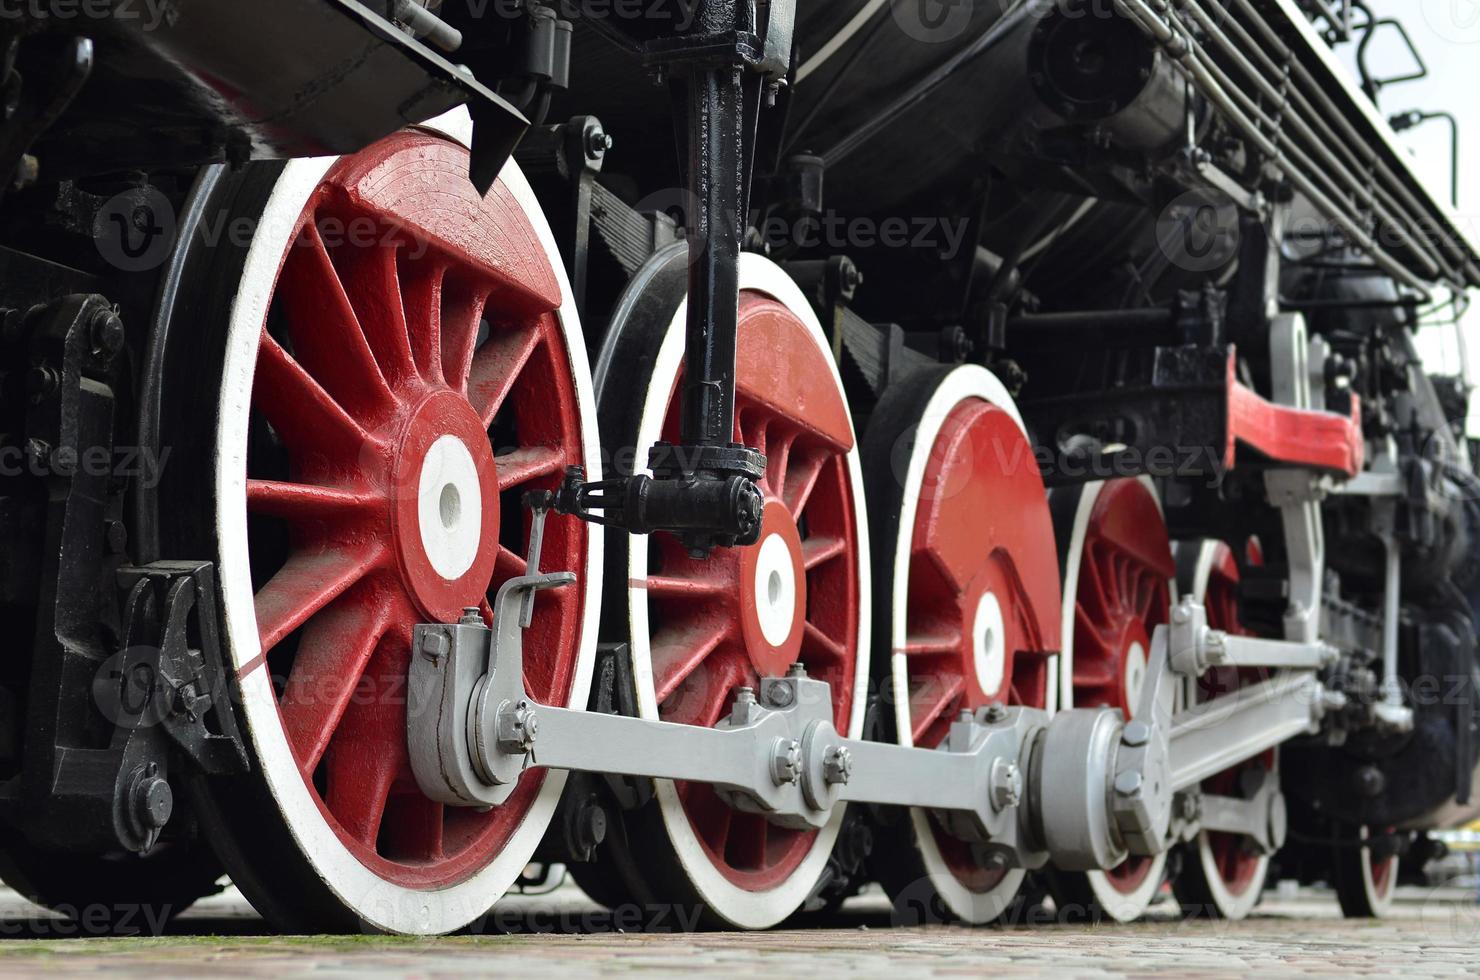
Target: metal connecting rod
column 1084, row 788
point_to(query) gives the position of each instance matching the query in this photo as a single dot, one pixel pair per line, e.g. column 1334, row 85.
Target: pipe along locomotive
column 443, row 437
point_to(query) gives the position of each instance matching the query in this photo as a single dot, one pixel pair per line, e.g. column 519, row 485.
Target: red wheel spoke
column 706, row 696
column 933, row 699
column 528, row 463
column 304, row 502
column 412, row 827
column 821, row 549
column 752, row 423
column 746, row 846
column 497, row 365
column 509, row 564
column 679, row 650
column 308, row 583
column 801, row 480
column 368, row 759
column 306, row 418
column 357, row 797
column 373, row 281
column 822, row 646
column 462, row 315
column 778, row 461
column 925, row 644
column 1098, row 675
column 686, row 587
column 712, row 815
column 327, row 336
column 421, row 290
column 332, row 657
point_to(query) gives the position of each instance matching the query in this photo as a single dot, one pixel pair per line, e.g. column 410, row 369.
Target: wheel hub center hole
column 773, row 587
column 450, row 506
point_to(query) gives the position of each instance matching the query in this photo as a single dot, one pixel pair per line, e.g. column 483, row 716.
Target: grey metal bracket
column 1086, row 788
column 1195, row 647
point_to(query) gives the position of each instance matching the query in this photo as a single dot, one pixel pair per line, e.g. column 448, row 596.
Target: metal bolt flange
column 517, row 727
column 1006, row 784
column 1128, row 783
column 786, row 761
column 837, row 765
column 1136, row 733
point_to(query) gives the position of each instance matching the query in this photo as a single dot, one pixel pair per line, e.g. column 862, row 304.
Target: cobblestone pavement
column 1431, row 933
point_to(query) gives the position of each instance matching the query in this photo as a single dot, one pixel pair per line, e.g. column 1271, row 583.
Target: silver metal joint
column 518, row 724
column 1215, row 647
column 786, row 761
column 837, row 765
column 1007, row 784
column 434, row 645
column 780, row 695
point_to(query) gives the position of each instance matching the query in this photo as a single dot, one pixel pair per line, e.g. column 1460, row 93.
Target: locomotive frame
column 1267, row 397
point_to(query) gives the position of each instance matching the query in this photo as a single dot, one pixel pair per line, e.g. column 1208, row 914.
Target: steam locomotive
column 447, row 438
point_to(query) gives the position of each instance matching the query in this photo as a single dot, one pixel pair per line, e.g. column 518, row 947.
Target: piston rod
column 1083, row 788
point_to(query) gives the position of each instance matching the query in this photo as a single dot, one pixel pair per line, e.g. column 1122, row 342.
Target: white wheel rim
column 738, row 906
column 1380, row 899
column 382, row 904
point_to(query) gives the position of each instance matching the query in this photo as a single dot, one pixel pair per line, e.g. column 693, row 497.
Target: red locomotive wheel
column 968, row 594
column 701, row 629
column 1223, row 875
column 403, row 363
column 1118, row 576
column 1364, row 884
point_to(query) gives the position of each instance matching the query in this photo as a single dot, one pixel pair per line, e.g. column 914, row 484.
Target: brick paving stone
column 1433, row 933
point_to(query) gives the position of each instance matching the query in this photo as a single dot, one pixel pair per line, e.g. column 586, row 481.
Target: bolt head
column 1007, row 784
column 154, row 802
column 107, row 333
column 1136, row 733
column 1128, row 783
column 786, row 761
column 434, row 645
column 837, row 765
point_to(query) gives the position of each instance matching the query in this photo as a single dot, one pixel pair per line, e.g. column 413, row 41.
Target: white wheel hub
column 449, row 507
column 989, row 644
column 1135, row 673
column 776, row 589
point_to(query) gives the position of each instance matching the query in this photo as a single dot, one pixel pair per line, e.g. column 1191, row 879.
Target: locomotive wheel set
column 412, row 488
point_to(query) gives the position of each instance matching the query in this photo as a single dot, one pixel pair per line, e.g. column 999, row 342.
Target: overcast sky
column 1447, row 35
